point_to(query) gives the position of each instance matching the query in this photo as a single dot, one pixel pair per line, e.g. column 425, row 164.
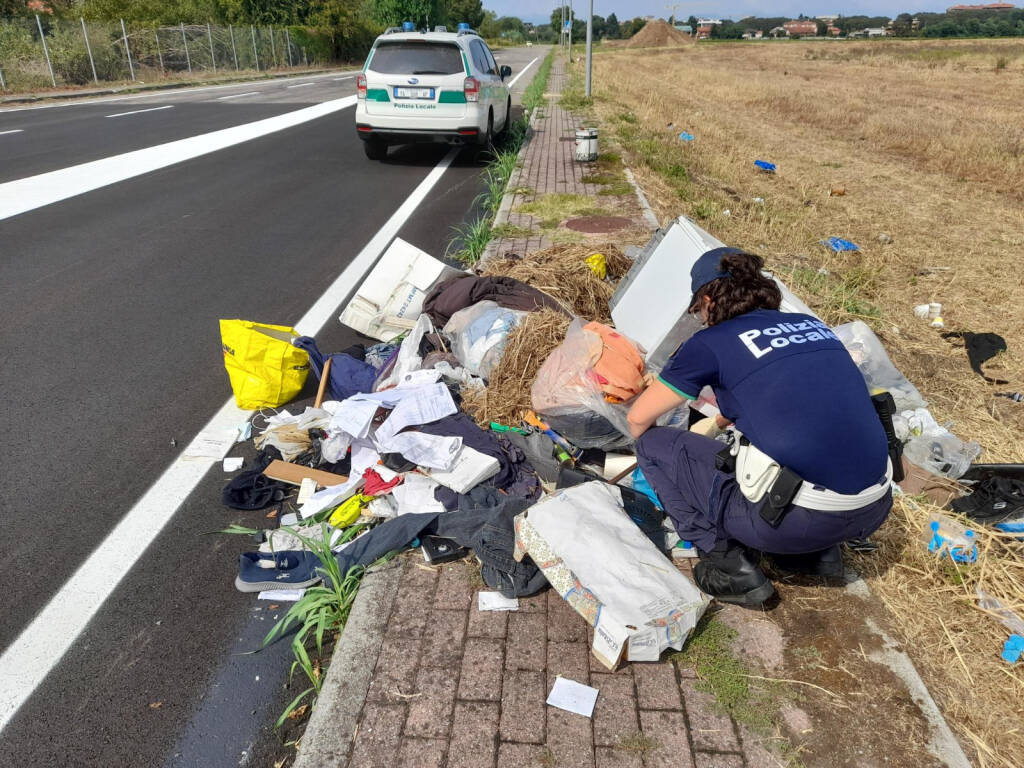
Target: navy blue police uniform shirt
column 790, row 386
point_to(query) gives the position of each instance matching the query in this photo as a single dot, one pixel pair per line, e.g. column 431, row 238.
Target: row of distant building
column 809, row 27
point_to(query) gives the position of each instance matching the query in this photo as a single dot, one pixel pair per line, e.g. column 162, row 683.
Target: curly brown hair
column 744, row 290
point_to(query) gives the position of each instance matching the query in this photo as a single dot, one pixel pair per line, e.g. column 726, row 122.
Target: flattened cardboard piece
column 390, row 299
column 600, row 562
column 287, row 472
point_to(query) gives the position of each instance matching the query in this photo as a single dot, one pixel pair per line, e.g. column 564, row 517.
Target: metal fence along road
column 42, row 52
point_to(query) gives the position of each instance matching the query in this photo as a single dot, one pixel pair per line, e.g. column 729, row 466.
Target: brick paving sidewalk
column 459, row 688
column 548, row 166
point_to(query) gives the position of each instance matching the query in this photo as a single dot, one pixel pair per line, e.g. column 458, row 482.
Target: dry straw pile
column 928, row 141
column 561, row 271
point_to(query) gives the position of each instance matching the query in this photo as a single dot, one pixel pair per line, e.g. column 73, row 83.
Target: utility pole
column 561, row 26
column 590, row 45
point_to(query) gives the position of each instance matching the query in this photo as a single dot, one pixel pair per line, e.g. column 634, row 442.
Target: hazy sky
column 537, row 10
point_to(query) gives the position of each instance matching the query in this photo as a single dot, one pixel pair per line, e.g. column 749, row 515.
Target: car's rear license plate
column 414, row 93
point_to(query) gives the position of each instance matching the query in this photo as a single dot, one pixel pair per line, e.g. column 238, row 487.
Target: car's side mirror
column 505, row 70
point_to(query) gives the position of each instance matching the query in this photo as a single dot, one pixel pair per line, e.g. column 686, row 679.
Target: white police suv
column 435, row 86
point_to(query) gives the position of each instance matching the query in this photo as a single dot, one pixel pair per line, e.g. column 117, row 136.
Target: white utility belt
column 756, row 473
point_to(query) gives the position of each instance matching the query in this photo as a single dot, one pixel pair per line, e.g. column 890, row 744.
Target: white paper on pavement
column 431, row 451
column 573, row 697
column 600, row 562
column 495, row 601
column 232, row 463
column 470, row 469
column 331, row 496
column 211, row 445
column 416, row 495
column 282, row 595
column 354, row 416
column 422, row 405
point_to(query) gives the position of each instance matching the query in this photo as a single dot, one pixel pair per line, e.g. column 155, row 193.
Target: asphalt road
column 109, row 304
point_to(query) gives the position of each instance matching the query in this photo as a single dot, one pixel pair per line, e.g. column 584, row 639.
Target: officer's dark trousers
column 708, row 507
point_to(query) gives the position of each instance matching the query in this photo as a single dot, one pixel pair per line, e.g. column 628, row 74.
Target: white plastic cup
column 934, row 309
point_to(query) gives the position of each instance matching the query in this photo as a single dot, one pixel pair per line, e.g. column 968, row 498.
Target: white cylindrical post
column 127, row 50
column 590, row 45
column 209, row 36
column 252, row 29
column 88, row 49
column 184, row 40
column 234, row 51
column 46, row 51
column 3, row 85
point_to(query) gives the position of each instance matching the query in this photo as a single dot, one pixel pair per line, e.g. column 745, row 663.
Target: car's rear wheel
column 485, row 144
column 508, row 119
column 375, row 149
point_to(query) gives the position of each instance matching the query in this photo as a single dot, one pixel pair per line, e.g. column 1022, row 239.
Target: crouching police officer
column 809, row 464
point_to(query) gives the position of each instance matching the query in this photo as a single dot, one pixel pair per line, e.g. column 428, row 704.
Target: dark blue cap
column 708, row 267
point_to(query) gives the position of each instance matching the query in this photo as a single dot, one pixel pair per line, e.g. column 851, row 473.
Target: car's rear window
column 413, row 58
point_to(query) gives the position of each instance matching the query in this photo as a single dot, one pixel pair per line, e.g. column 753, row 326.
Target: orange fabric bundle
column 620, row 370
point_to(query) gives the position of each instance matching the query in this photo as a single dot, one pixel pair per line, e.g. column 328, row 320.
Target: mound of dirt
column 656, row 34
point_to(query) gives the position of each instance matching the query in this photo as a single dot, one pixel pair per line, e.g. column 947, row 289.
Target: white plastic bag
column 479, row 333
column 874, row 364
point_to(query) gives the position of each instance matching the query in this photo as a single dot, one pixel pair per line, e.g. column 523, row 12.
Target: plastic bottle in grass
column 946, row 536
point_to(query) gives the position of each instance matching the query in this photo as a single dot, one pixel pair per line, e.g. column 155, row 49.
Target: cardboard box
column 390, row 299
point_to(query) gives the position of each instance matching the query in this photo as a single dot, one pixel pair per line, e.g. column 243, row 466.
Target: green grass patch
column 533, row 96
column 508, row 231
column 556, row 207
column 704, row 209
column 720, row 673
column 838, row 297
column 639, row 743
column 472, row 238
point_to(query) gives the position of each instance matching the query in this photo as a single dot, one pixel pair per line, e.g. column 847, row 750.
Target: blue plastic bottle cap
column 683, row 544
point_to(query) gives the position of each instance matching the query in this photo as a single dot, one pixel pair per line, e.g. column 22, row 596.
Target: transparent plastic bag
column 941, row 453
column 563, row 388
column 479, row 333
column 876, row 368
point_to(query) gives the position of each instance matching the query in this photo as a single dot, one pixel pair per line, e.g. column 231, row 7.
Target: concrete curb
column 649, row 215
column 129, row 89
column 331, row 730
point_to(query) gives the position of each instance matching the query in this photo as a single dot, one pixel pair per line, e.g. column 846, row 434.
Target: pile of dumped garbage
column 392, row 455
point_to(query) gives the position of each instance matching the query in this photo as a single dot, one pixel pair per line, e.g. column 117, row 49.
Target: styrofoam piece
column 649, row 305
column 390, row 299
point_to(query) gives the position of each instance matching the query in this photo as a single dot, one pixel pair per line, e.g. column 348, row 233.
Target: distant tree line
column 1008, row 23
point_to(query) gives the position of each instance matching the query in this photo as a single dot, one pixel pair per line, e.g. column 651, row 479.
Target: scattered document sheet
column 233, row 463
column 416, row 495
column 422, row 405
column 495, row 601
column 282, row 595
column 573, row 697
column 471, row 468
column 431, row 451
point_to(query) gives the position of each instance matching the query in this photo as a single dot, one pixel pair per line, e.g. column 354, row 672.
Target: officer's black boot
column 827, row 562
column 727, row 573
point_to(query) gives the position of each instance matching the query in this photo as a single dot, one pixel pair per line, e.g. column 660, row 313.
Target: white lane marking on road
column 164, row 93
column 140, row 111
column 522, row 72
column 300, row 85
column 46, row 188
column 42, row 644
column 16, row 130
column 339, row 79
column 237, row 95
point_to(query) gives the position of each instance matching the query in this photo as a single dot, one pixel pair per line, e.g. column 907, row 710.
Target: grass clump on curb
column 473, row 236
column 558, row 206
column 720, row 673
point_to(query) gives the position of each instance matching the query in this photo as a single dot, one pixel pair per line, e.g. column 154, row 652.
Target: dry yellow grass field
column 926, row 140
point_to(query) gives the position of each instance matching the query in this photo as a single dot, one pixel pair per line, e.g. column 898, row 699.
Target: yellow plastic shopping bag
column 265, row 369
